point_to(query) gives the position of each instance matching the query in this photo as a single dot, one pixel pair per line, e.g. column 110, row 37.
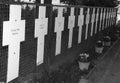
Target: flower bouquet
column 84, row 61
column 107, row 40
column 99, row 47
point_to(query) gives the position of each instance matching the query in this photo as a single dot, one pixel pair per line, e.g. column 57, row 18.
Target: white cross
column 114, row 15
column 103, row 19
column 41, row 26
column 101, row 14
column 71, row 24
column 107, row 18
column 111, row 17
column 59, row 27
column 13, row 34
column 87, row 22
column 80, row 24
column 93, row 20
column 96, row 25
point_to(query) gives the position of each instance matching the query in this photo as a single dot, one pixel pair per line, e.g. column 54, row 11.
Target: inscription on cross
column 80, row 24
column 59, row 27
column 93, row 20
column 71, row 24
column 96, row 24
column 13, row 34
column 87, row 22
column 41, row 27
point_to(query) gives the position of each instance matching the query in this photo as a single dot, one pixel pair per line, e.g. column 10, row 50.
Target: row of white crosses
column 14, row 33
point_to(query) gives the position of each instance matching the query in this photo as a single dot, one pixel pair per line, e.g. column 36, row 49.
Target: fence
column 33, row 34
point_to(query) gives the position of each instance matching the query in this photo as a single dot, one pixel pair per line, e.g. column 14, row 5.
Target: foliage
column 99, row 3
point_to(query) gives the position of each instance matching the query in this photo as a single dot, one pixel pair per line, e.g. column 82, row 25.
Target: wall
column 46, row 35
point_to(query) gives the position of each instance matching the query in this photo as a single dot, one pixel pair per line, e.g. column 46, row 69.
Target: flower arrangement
column 107, row 40
column 83, row 57
column 84, row 61
column 99, row 47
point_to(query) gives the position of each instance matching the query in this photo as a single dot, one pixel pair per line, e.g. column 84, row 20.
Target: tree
column 100, row 3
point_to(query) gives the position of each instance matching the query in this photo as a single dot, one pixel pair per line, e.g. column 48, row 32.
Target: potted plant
column 83, row 80
column 99, row 47
column 84, row 61
column 117, row 34
column 107, row 40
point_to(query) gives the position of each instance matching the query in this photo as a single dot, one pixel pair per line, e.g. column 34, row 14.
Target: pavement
column 108, row 70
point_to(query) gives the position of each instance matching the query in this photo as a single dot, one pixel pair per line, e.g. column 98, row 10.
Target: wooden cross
column 87, row 22
column 59, row 27
column 41, row 27
column 96, row 25
column 101, row 14
column 80, row 24
column 93, row 20
column 71, row 24
column 13, row 34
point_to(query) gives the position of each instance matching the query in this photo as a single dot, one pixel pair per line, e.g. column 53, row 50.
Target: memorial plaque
column 71, row 24
column 41, row 27
column 13, row 34
column 59, row 27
